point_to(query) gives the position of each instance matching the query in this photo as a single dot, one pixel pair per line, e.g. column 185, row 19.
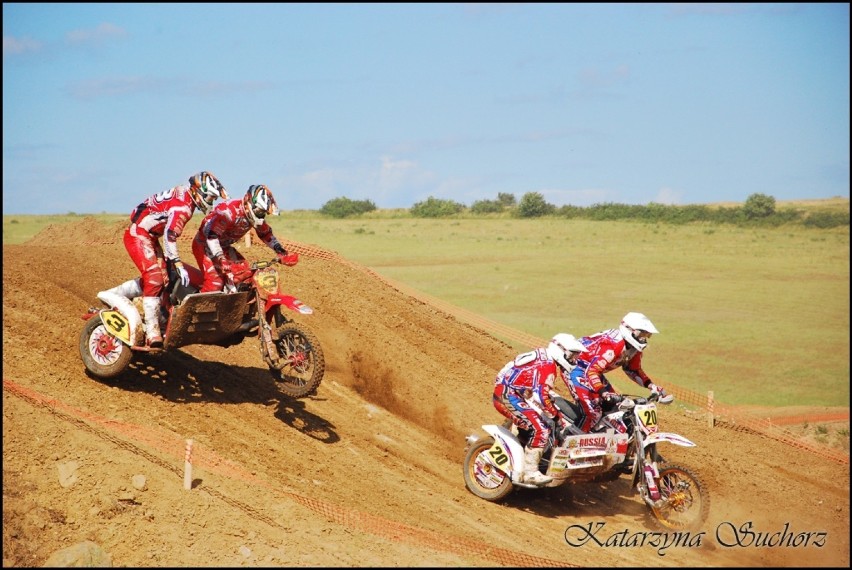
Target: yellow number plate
column 117, row 326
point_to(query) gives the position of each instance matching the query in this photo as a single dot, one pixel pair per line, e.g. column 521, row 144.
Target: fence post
column 711, row 420
column 187, row 466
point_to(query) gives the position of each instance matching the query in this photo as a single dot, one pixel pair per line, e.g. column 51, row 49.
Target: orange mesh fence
column 398, row 531
column 155, row 439
column 130, row 437
column 725, row 416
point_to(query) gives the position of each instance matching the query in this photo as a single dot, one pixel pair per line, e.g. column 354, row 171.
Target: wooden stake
column 187, row 466
column 711, row 420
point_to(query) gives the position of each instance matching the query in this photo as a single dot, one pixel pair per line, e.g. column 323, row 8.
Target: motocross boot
column 532, row 457
column 151, row 306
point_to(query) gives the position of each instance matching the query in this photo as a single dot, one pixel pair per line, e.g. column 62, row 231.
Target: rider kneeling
column 522, row 394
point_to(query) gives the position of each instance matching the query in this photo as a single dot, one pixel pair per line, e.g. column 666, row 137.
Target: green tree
column 508, row 200
column 344, row 207
column 435, row 208
column 759, row 206
column 533, row 205
column 486, row 207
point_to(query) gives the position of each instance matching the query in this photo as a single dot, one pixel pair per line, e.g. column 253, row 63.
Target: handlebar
column 653, row 397
column 264, row 263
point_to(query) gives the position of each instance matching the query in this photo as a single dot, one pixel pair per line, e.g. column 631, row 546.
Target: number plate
column 117, row 326
column 647, row 415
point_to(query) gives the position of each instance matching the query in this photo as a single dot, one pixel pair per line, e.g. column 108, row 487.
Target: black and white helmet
column 258, row 203
column 205, row 189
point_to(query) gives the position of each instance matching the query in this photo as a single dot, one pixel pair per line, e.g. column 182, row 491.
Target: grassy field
column 19, row 228
column 759, row 316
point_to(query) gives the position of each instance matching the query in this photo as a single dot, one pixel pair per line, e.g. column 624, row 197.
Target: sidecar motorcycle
column 254, row 308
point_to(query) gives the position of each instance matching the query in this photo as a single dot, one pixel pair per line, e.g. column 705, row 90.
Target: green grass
column 759, row 316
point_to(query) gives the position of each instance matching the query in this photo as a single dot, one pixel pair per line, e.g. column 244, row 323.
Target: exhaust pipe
column 248, row 325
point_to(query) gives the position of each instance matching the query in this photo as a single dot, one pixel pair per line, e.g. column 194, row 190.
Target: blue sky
column 105, row 104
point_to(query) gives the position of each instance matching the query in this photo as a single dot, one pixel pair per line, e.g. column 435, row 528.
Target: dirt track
column 366, row 473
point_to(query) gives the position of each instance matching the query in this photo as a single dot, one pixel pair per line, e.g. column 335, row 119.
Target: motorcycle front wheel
column 303, row 360
column 481, row 477
column 104, row 356
column 685, row 502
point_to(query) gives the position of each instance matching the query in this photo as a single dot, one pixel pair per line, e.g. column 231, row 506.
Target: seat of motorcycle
column 573, row 412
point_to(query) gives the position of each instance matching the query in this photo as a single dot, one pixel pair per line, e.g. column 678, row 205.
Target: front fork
column 648, row 476
column 268, row 349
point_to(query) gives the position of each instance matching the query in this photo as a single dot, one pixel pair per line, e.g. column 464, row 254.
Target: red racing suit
column 605, row 351
column 522, row 394
column 163, row 214
column 219, row 230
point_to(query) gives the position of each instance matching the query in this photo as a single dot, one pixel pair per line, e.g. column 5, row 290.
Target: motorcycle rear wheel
column 304, row 361
column 104, row 356
column 481, row 477
column 687, row 502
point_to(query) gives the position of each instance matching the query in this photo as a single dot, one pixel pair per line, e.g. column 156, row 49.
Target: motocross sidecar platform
column 206, row 318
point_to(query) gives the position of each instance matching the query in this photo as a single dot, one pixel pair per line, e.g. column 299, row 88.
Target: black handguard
column 610, row 400
column 172, row 273
column 612, row 397
column 174, row 280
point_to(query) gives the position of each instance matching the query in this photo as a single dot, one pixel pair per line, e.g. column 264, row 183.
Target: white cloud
column 96, row 35
column 17, row 46
column 324, row 181
column 668, row 196
column 393, row 173
column 113, row 86
column 387, row 181
column 225, row 88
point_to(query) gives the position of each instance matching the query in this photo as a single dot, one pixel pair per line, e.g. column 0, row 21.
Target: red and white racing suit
column 219, row 230
column 163, row 214
column 522, row 393
column 605, row 351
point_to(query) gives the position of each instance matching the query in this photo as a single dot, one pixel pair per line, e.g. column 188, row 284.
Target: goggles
column 642, row 336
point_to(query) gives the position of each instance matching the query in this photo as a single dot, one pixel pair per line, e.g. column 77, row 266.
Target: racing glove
column 183, row 275
column 288, row 259
column 224, row 264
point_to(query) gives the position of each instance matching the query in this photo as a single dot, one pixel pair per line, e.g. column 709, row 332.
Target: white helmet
column 564, row 349
column 636, row 329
